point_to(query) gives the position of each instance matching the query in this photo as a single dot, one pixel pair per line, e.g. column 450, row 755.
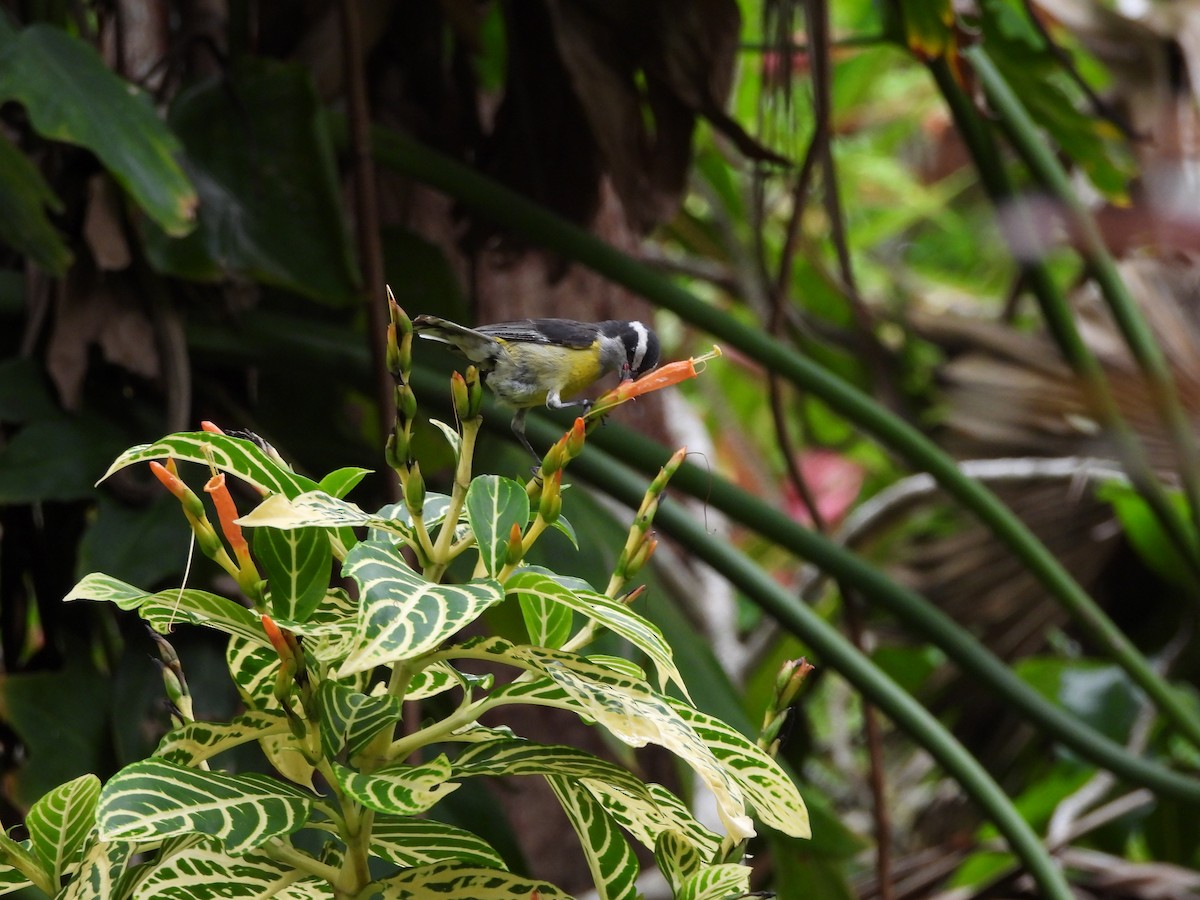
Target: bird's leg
column 556, row 402
column 518, row 428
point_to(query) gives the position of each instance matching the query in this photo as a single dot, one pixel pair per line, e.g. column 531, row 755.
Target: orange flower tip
column 214, row 484
column 514, row 533
column 210, row 427
column 634, row 594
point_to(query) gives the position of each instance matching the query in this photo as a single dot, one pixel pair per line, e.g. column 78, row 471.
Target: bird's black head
column 641, row 347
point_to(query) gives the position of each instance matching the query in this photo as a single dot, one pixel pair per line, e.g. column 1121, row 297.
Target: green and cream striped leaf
column 629, row 708
column 207, row 870
column 421, row 842
column 350, row 719
column 253, row 668
column 677, row 858
column 609, row 857
column 494, row 504
column 441, row 677
column 719, row 882
column 432, row 514
column 646, row 820
column 172, row 607
column 237, row 456
column 614, row 615
column 400, row 790
column 194, row 742
column 402, row 615
column 60, row 821
column 342, row 481
column 520, row 757
column 451, row 881
column 297, row 564
column 102, row 870
column 317, row 509
column 20, row 866
column 154, row 799
column 770, row 791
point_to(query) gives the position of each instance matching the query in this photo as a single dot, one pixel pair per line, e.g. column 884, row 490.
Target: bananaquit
column 536, row 361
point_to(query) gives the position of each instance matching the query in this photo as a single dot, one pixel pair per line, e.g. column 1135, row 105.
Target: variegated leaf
column 317, row 509
column 340, row 482
column 432, row 514
column 450, row 881
column 154, row 799
column 194, row 742
column 60, row 821
column 613, row 866
column 441, row 677
column 775, row 799
column 253, row 668
column 645, row 821
column 351, row 719
column 237, row 456
column 719, row 882
column 450, row 433
column 614, row 615
column 402, row 615
column 20, row 866
column 102, row 871
column 207, row 870
column 398, row 789
column 297, row 565
column 494, row 505
column 420, row 842
column 677, row 858
column 629, row 708
column 519, row 757
column 171, row 607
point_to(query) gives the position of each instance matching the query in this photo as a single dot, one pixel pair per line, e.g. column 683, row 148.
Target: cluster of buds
column 467, row 394
column 641, row 543
column 399, row 364
column 176, row 686
column 790, row 677
column 240, row 566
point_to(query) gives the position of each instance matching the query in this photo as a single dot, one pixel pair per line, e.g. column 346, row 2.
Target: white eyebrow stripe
column 639, row 352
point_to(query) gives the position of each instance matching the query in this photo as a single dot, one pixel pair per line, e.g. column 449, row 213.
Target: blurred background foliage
column 201, row 201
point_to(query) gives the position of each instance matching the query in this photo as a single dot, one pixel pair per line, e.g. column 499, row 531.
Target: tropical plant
column 324, row 676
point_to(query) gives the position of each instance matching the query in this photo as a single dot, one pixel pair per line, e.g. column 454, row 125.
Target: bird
column 535, row 362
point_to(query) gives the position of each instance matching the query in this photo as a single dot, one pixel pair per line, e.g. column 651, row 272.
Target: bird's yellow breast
column 527, row 372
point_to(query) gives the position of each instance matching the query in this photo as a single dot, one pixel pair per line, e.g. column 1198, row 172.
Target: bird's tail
column 472, row 344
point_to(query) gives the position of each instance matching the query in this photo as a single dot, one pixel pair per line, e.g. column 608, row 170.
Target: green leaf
column 194, row 742
column 342, row 481
column 297, row 564
column 609, row 857
column 60, row 822
column 21, row 866
column 494, row 505
column 450, row 881
column 548, row 624
column 320, row 510
column 627, row 707
column 140, row 545
column 768, row 788
column 1145, row 532
column 401, row 614
column 270, row 208
column 398, row 789
column 236, row 456
column 25, row 392
column 204, row 869
column 677, row 858
column 153, row 799
column 647, row 819
column 350, row 719
column 612, row 614
column 717, row 882
column 71, row 96
column 24, row 226
column 169, row 608
column 420, row 842
column 57, row 458
column 100, row 872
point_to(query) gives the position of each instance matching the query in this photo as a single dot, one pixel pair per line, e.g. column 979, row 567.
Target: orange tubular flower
column 210, row 427
column 226, row 514
column 664, row 376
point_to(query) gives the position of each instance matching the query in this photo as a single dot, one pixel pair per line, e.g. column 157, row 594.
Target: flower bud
column 414, row 490
column 474, row 392
column 575, row 438
column 516, row 548
column 406, row 404
column 459, row 396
